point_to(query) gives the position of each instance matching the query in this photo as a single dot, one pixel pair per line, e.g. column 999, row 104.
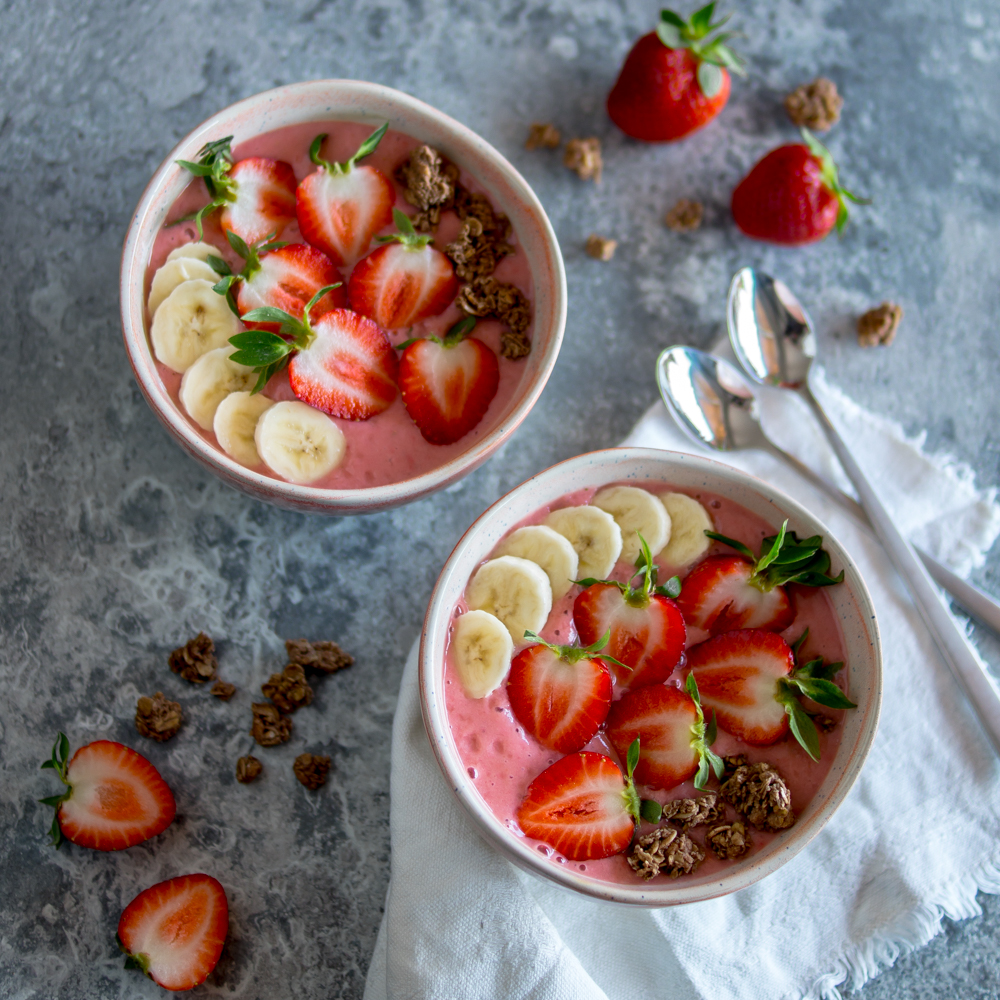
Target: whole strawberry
column 675, row 79
column 793, row 195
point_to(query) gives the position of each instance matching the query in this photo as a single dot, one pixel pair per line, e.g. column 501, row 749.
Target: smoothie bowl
column 649, row 677
column 338, row 299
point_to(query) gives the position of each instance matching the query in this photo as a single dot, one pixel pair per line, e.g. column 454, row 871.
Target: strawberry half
column 448, row 384
column 724, row 593
column 114, row 797
column 404, row 281
column 174, row 931
column 646, row 627
column 342, row 206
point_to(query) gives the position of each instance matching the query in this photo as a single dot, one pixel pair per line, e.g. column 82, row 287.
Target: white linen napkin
column 914, row 840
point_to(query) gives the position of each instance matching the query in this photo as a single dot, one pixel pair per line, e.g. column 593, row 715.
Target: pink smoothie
column 388, row 448
column 502, row 759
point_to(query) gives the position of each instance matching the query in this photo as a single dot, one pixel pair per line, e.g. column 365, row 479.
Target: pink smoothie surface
column 387, row 448
column 502, row 759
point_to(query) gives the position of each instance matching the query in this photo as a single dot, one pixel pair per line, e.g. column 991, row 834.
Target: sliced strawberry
column 447, row 385
column 582, row 806
column 114, row 799
column 342, row 206
column 174, row 931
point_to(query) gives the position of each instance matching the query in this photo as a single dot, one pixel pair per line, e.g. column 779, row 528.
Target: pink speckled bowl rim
column 348, row 100
column 852, row 603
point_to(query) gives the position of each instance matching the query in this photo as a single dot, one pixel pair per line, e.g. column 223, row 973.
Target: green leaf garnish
column 214, row 165
column 637, row 596
column 406, row 234
column 574, row 654
column 365, row 149
column 702, row 737
column 59, row 762
column 700, row 35
column 631, row 797
column 651, row 810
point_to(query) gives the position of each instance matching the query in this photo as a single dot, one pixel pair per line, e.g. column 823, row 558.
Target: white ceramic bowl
column 369, row 103
column 643, row 466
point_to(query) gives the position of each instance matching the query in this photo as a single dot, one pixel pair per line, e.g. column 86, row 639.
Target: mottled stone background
column 114, row 546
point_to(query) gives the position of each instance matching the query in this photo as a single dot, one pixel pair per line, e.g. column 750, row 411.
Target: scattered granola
column 729, row 840
column 471, row 205
column 223, row 690
column 248, row 769
column 157, row 717
column 730, row 764
column 815, row 105
column 429, row 186
column 311, row 770
column 583, row 157
column 542, row 135
column 270, row 727
column 665, row 851
column 507, row 303
column 195, row 661
column 476, row 253
column 694, row 812
column 824, row 723
column 686, row 215
column 878, row 326
column 324, row 656
column 289, row 690
column 600, row 248
column 760, row 794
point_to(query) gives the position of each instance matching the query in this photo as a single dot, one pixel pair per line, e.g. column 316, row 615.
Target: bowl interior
column 645, row 467
column 353, row 101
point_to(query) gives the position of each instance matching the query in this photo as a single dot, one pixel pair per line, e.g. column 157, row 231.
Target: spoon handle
column 958, row 654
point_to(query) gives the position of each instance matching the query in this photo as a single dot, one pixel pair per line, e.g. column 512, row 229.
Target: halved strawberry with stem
column 448, row 383
column 256, row 195
column 114, row 797
column 560, row 694
column 174, row 931
column 404, row 281
column 724, row 593
column 646, row 626
column 341, row 206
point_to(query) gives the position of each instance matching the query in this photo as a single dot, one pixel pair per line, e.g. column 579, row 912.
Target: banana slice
column 482, row 649
column 197, row 251
column 174, row 273
column 209, row 380
column 192, row 320
column 515, row 590
column 235, row 422
column 298, row 442
column 594, row 535
column 689, row 521
column 635, row 510
column 553, row 552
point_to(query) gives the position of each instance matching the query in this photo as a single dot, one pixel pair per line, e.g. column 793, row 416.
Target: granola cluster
column 815, row 105
column 487, row 297
column 289, row 690
column 476, row 252
column 665, row 851
column 583, row 157
column 223, row 690
column 324, row 656
column 542, row 135
column 694, row 812
column 311, row 770
column 878, row 326
column 195, row 661
column 270, row 728
column 248, row 769
column 600, row 248
column 685, row 216
column 759, row 793
column 729, row 840
column 157, row 718
column 429, row 186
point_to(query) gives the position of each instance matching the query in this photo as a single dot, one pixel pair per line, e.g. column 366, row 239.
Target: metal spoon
column 774, row 342
column 713, row 402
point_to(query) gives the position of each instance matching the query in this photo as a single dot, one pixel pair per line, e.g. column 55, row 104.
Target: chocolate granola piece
column 815, row 105
column 248, row 769
column 270, row 728
column 878, row 326
column 729, row 840
column 583, row 157
column 429, row 186
column 665, row 851
column 289, row 690
column 487, row 297
column 195, row 661
column 685, row 216
column 759, row 793
column 223, row 690
column 600, row 248
column 157, row 717
column 542, row 135
column 730, row 764
column 311, row 770
column 476, row 253
column 694, row 812
column 324, row 656
column 472, row 205
column 824, row 723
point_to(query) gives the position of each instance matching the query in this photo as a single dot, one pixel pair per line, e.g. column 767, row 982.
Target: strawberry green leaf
column 265, row 372
column 711, row 730
column 797, row 645
column 369, row 145
column 803, row 728
column 704, row 772
column 766, row 559
column 672, row 588
column 238, row 244
column 701, row 20
column 459, row 331
column 710, row 78
column 669, row 17
column 823, row 692
column 198, row 169
column 670, row 35
column 732, row 543
column 266, row 314
column 632, row 757
column 319, row 295
column 315, row 147
column 218, row 265
column 651, row 810
column 691, row 686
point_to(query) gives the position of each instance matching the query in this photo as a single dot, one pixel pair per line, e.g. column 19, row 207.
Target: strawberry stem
column 365, row 149
column 696, row 35
column 831, row 178
column 638, row 597
column 702, row 737
column 58, row 762
column 574, row 654
column 633, row 805
column 406, row 234
column 216, row 160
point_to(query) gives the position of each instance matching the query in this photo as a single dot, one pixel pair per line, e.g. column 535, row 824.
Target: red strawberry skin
column 398, row 286
column 341, row 213
column 657, row 97
column 576, row 806
column 118, row 798
column 288, row 278
column 447, row 390
column 716, row 597
column 265, row 199
column 561, row 704
column 737, row 675
column 650, row 640
column 661, row 716
column 176, row 930
column 785, row 200
column 349, row 370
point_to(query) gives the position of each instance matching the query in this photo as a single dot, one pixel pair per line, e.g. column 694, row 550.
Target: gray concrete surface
column 114, row 545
